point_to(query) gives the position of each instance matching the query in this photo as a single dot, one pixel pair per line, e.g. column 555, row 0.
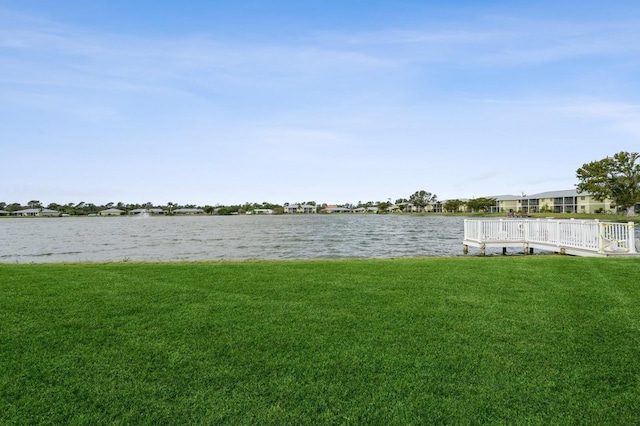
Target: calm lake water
column 243, row 237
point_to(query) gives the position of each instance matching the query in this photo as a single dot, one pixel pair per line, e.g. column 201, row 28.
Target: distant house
column 297, row 208
column 366, row 210
column 261, row 211
column 4, row 213
column 332, row 208
column 506, row 204
column 36, row 213
column 112, row 212
column 188, row 211
column 436, row 206
column 146, row 211
column 412, row 208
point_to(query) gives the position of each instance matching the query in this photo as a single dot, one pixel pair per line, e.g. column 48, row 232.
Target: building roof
column 36, row 211
column 464, row 200
column 547, row 194
column 188, row 210
column 506, row 197
column 153, row 210
column 556, row 194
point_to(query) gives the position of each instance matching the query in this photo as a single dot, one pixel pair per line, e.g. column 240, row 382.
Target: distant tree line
column 421, row 200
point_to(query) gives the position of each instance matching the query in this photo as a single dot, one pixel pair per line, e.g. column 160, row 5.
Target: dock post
column 465, row 249
column 631, row 243
column 504, row 251
column 483, row 249
column 526, row 249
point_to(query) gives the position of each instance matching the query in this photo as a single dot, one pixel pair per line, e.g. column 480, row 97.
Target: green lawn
column 501, row 340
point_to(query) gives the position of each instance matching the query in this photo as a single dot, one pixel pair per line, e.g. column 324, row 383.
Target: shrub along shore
column 501, row 340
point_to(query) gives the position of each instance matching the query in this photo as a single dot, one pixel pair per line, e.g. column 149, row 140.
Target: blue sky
column 227, row 102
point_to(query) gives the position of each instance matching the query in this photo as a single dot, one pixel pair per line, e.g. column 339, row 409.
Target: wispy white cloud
column 620, row 116
column 84, row 59
column 504, row 41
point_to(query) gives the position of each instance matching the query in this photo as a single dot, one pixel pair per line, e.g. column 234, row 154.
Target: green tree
column 34, row 204
column 227, row 210
column 55, row 206
column 453, row 205
column 481, row 204
column 616, row 178
column 90, row 208
column 13, row 207
column 422, row 199
column 383, row 206
column 68, row 209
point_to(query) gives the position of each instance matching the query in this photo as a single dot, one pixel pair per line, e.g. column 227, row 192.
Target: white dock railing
column 571, row 236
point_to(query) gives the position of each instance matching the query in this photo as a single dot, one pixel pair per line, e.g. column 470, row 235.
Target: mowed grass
column 502, row 340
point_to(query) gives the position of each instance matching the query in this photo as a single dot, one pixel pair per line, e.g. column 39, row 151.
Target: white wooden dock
column 565, row 236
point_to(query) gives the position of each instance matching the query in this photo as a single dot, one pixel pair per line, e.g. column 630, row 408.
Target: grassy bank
column 538, row 340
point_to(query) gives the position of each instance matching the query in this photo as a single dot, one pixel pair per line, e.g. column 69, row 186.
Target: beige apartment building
column 567, row 201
